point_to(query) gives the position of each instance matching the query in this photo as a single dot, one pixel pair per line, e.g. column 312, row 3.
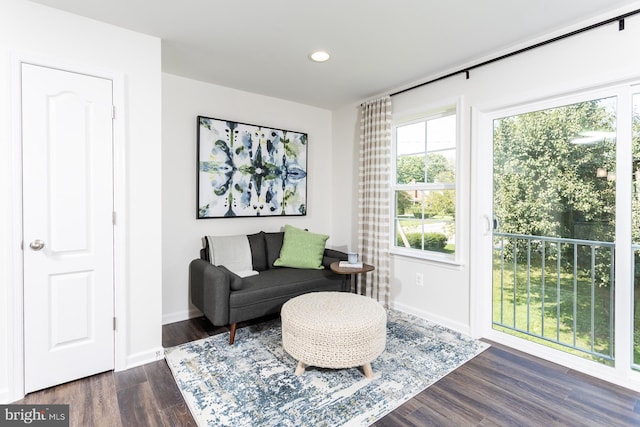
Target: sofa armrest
column 210, row 288
column 332, row 255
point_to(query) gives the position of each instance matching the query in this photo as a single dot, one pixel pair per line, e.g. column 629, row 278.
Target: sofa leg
column 232, row 333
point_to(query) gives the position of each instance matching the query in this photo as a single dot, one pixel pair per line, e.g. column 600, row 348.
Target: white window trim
column 455, row 260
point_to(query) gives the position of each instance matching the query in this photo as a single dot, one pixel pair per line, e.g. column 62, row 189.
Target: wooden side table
column 352, row 271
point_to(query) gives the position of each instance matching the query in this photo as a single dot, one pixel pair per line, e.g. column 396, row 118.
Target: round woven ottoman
column 333, row 330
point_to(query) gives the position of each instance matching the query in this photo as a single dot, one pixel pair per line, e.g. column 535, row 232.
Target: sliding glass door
column 565, row 232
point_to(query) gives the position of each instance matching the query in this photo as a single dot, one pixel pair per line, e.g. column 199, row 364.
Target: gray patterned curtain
column 373, row 195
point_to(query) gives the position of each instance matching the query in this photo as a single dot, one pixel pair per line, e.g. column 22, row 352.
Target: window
column 424, row 186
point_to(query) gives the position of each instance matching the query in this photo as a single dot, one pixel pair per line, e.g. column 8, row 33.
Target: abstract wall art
column 248, row 170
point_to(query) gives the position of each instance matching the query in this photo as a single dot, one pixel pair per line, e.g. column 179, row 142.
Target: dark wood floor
column 500, row 387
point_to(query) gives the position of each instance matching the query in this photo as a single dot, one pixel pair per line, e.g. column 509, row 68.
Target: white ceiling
column 261, row 46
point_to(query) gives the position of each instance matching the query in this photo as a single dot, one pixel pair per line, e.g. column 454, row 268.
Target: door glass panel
column 554, row 203
column 635, row 231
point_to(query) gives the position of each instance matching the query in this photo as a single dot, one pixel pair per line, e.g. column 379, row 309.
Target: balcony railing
column 559, row 291
column 636, row 330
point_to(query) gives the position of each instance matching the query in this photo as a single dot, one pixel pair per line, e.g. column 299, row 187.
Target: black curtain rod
column 620, row 20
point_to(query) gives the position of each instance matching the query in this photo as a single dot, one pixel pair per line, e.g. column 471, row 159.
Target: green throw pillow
column 301, row 249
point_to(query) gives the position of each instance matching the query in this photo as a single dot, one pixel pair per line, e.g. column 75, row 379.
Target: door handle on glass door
column 36, row 245
column 487, row 223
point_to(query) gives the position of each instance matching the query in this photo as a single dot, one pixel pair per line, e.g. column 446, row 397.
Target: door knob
column 36, row 245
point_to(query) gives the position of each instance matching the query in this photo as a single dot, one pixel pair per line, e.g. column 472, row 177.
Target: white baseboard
column 179, row 316
column 144, row 357
column 456, row 326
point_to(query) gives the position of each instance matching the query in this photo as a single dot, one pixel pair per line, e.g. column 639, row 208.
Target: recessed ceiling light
column 319, row 56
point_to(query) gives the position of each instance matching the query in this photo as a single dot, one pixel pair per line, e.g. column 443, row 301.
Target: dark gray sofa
column 226, row 299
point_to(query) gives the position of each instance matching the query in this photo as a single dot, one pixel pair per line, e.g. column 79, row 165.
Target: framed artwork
column 248, row 170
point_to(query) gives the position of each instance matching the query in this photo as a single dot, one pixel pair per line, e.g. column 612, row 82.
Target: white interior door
column 68, row 225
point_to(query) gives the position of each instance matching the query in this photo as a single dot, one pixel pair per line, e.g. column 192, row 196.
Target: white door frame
column 15, row 327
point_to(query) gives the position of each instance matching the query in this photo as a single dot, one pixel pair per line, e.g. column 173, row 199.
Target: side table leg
column 300, row 368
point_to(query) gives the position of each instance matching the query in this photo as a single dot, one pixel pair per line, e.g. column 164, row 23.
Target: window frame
column 446, row 109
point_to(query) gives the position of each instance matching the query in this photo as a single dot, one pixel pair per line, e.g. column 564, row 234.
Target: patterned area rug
column 252, row 383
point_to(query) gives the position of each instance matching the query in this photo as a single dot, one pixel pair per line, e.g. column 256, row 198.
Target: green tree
column 403, row 202
column 440, row 203
column 412, row 169
column 545, row 183
column 439, row 169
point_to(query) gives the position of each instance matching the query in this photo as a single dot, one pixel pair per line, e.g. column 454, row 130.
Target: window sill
column 431, row 258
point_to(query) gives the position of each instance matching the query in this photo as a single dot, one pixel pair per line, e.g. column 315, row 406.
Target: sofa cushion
column 283, row 283
column 273, row 244
column 301, row 249
column 235, row 281
column 258, row 251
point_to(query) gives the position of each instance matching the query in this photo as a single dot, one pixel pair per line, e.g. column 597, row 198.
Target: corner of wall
column 456, row 326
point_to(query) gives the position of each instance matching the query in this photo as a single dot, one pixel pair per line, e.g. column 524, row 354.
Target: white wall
column 346, row 147
column 592, row 58
column 185, row 99
column 28, row 30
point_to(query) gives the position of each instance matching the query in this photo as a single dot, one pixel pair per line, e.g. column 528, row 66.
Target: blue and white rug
column 252, row 383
